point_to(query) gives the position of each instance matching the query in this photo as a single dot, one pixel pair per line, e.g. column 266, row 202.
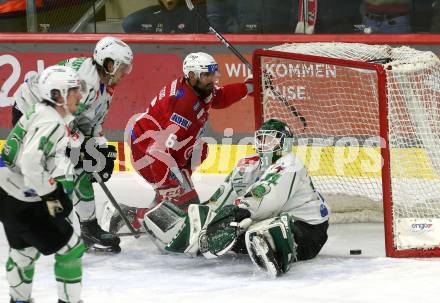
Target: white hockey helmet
column 61, row 78
column 115, row 49
column 199, row 63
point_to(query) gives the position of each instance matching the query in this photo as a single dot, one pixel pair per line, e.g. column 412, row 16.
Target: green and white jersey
column 27, row 94
column 247, row 171
column 96, row 104
column 93, row 106
column 34, row 154
column 284, row 186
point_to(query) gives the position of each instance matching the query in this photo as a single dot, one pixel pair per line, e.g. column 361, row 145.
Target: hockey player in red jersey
column 166, row 142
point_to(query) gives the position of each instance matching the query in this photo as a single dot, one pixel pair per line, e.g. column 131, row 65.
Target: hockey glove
column 76, row 151
column 250, row 86
column 94, row 158
column 58, row 203
column 110, row 154
column 224, row 229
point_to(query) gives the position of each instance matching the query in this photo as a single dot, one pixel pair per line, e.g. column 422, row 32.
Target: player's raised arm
column 167, row 140
column 229, row 94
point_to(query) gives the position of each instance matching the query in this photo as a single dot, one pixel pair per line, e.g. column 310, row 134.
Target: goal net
column 367, row 125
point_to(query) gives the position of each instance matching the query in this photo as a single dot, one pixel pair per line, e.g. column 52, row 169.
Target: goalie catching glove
column 223, row 230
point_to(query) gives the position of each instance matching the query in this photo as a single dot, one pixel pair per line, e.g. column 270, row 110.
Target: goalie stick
column 133, row 232
column 267, row 80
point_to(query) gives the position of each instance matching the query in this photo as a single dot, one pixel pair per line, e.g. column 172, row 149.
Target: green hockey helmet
column 273, row 138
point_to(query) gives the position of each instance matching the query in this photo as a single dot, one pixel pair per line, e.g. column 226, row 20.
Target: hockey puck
column 355, row 251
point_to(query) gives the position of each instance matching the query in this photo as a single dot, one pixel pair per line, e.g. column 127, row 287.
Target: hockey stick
column 104, row 187
column 267, row 81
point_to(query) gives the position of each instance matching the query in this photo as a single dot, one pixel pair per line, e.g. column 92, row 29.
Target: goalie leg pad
column 173, row 230
column 262, row 254
column 278, row 236
column 187, row 239
column 163, row 222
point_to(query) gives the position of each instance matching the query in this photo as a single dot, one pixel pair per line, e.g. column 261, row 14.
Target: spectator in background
column 252, row 16
column 386, row 16
column 307, row 16
column 435, row 23
column 337, row 16
column 222, row 15
column 422, row 15
column 169, row 16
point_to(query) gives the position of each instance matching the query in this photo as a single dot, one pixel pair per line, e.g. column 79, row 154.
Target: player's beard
column 203, row 92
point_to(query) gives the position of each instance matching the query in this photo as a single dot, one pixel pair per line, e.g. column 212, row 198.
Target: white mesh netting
column 340, row 144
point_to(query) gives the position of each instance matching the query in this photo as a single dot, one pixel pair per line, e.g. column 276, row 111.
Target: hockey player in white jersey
column 36, row 180
column 267, row 207
column 111, row 62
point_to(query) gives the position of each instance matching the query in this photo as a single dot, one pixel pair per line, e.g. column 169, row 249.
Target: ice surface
column 142, row 274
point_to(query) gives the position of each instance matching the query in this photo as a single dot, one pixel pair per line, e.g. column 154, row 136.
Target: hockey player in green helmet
column 267, row 207
column 273, row 140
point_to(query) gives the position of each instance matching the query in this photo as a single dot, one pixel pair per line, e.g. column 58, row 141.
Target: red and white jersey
column 176, row 119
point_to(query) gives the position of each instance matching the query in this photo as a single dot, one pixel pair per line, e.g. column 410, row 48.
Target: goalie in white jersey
column 111, row 62
column 267, row 207
column 36, row 180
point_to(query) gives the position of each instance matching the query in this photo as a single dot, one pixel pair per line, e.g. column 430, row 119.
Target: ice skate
column 96, row 239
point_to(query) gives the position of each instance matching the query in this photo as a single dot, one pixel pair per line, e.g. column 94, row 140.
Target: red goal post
column 370, row 102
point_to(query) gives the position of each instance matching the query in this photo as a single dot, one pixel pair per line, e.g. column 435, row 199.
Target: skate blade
column 103, row 249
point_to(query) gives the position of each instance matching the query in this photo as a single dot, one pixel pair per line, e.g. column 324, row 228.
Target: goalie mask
column 273, row 140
